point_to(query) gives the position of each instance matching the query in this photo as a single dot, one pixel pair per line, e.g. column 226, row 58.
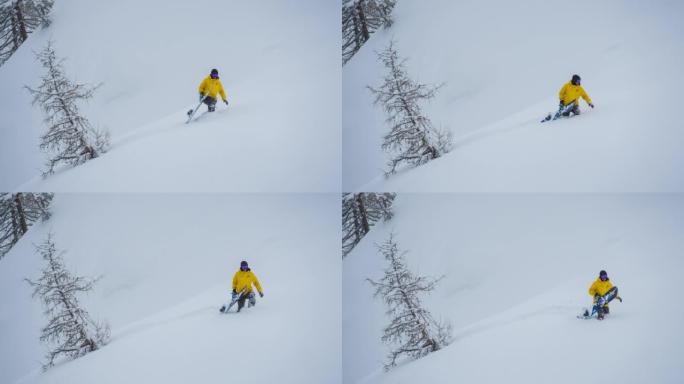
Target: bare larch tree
column 412, row 331
column 360, row 211
column 360, row 18
column 69, row 138
column 70, row 331
column 412, row 138
column 18, row 18
column 18, row 211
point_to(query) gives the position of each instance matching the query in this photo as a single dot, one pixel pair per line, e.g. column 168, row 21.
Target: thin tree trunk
column 21, row 214
column 362, row 19
column 363, row 213
column 21, row 23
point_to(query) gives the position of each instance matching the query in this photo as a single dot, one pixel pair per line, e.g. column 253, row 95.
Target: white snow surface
column 166, row 263
column 517, row 270
column 503, row 63
column 279, row 64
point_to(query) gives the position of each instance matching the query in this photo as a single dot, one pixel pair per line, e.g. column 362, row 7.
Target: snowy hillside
column 517, row 273
column 167, row 262
column 277, row 63
column 503, row 63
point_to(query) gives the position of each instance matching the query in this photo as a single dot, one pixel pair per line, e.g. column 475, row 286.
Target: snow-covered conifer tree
column 359, row 212
column 412, row 139
column 18, row 212
column 412, row 332
column 18, row 18
column 70, row 331
column 360, row 18
column 70, row 138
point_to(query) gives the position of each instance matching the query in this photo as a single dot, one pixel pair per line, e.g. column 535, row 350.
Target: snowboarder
column 603, row 292
column 209, row 88
column 569, row 96
column 242, row 283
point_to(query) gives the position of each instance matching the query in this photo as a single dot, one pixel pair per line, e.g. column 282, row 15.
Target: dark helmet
column 214, row 73
column 603, row 275
column 576, row 79
column 244, row 266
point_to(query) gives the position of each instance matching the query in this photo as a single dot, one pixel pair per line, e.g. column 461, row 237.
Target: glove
column 201, row 97
column 261, row 294
column 619, row 298
column 591, row 105
column 225, row 101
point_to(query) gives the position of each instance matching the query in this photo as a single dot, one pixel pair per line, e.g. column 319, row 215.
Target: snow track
column 166, row 262
column 281, row 78
column 502, row 75
column 517, row 272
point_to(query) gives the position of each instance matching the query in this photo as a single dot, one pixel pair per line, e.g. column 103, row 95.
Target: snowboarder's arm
column 203, row 86
column 586, row 97
column 561, row 94
column 592, row 289
column 222, row 92
column 257, row 285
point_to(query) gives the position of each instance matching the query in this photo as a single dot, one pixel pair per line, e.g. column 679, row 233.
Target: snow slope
column 503, row 63
column 277, row 63
column 517, row 272
column 167, row 262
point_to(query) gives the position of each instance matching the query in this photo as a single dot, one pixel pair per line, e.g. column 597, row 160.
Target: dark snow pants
column 250, row 297
column 566, row 110
column 211, row 103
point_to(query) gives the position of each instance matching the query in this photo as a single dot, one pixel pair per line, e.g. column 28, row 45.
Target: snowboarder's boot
column 606, row 310
column 600, row 313
column 212, row 108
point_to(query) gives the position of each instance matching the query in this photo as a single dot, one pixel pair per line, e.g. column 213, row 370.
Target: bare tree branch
column 412, row 139
column 360, row 211
column 70, row 331
column 412, row 331
column 70, row 138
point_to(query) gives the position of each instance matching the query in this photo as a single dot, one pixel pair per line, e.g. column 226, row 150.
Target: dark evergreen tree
column 412, row 332
column 360, row 211
column 360, row 18
column 70, row 138
column 70, row 331
column 18, row 18
column 18, row 212
column 412, row 139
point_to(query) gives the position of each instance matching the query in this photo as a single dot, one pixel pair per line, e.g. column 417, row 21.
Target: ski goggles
column 214, row 76
column 244, row 268
column 603, row 277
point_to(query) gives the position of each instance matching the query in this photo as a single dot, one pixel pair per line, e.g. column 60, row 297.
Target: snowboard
column 233, row 301
column 560, row 113
column 191, row 113
column 600, row 302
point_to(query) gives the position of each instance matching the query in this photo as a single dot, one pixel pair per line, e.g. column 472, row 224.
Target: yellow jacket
column 600, row 287
column 212, row 87
column 571, row 92
column 244, row 280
